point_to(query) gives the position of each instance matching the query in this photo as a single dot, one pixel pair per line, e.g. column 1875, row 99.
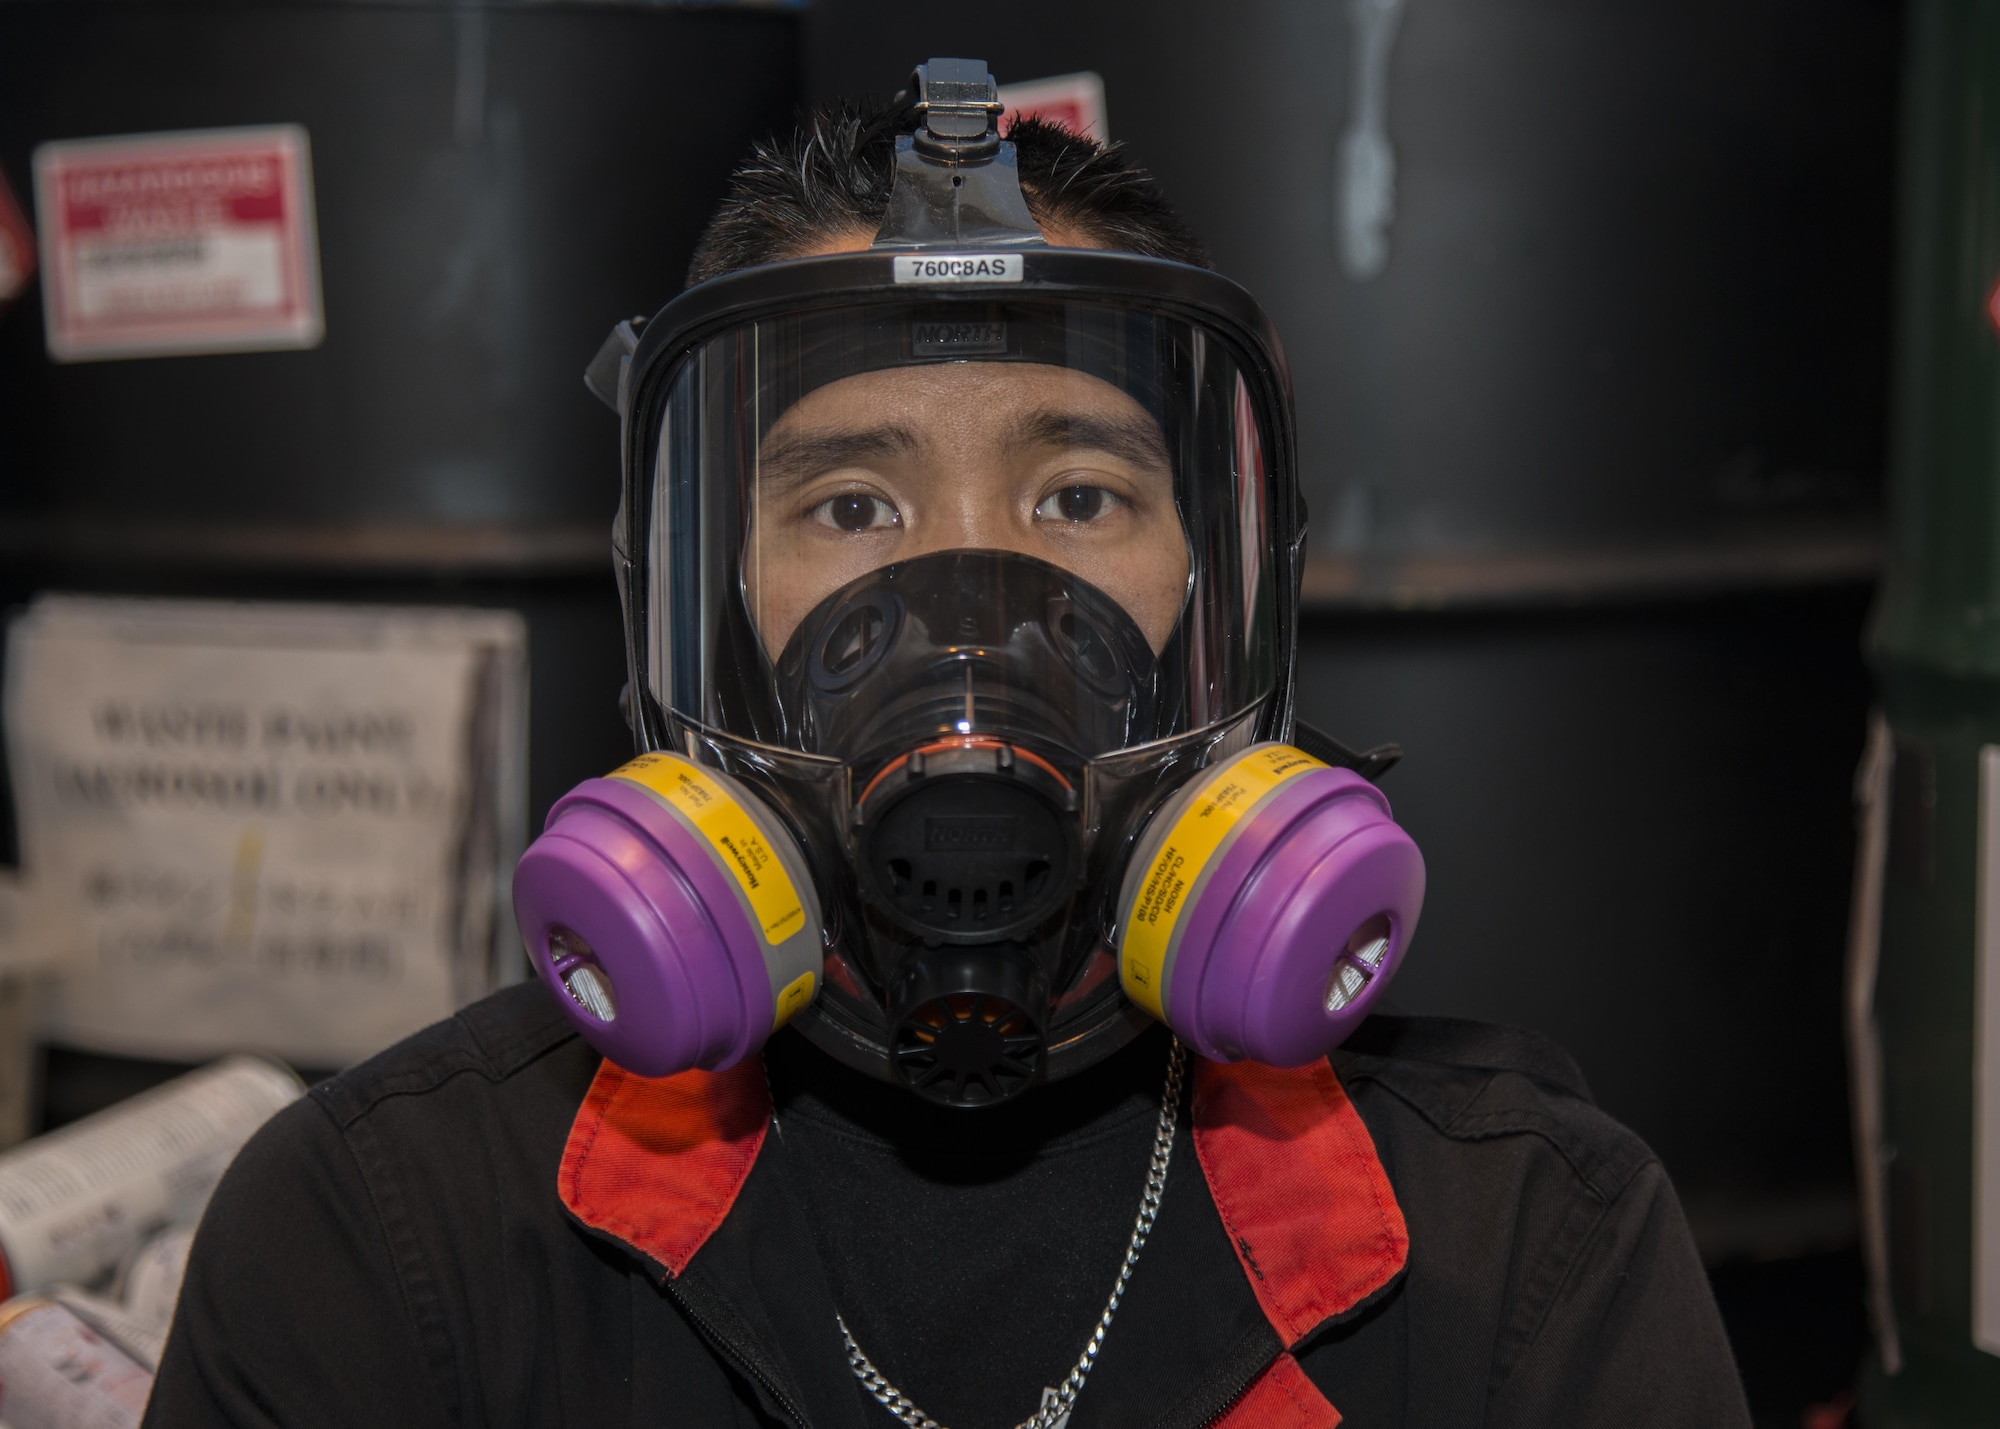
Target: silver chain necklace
column 1057, row 1403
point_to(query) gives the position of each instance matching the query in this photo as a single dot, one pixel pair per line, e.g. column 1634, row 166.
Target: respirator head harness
column 960, row 579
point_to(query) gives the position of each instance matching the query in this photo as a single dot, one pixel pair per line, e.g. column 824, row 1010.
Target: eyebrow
column 791, row 461
column 1133, row 439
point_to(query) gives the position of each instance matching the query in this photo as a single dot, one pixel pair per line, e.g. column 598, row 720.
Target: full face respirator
column 960, row 578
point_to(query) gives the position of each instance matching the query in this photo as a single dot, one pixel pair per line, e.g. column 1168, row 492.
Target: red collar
column 1294, row 1175
column 1293, row 1172
column 1305, row 1200
column 657, row 1161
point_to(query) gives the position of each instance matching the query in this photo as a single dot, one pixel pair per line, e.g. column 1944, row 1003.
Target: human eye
column 856, row 511
column 1078, row 504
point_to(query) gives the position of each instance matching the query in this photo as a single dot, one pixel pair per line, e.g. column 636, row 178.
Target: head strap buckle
column 958, row 111
column 956, row 182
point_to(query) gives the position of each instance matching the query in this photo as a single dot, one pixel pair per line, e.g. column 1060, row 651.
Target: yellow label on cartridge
column 798, row 992
column 729, row 828
column 1190, row 845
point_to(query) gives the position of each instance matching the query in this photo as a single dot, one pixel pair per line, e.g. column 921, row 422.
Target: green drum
column 1924, row 997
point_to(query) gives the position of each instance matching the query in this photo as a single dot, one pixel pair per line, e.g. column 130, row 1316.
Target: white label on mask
column 959, row 268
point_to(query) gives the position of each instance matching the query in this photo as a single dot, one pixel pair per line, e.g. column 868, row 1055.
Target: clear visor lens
column 1034, row 520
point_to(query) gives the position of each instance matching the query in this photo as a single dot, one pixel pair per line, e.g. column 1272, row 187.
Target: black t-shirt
column 971, row 1253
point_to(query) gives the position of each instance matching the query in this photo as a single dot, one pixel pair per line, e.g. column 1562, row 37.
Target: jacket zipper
column 1224, row 1412
column 749, row 1366
column 1234, row 1400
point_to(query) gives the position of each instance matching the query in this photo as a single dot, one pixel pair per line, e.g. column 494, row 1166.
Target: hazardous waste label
column 171, row 244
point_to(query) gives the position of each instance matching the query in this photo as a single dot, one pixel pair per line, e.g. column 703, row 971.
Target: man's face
column 891, row 465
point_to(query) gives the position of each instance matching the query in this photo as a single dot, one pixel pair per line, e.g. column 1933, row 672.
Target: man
column 959, row 551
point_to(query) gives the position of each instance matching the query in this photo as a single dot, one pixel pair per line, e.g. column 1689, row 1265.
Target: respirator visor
column 1041, row 519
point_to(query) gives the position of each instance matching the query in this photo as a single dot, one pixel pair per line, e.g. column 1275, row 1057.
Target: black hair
column 830, row 178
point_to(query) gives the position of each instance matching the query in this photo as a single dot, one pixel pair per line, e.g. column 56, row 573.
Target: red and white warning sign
column 1075, row 101
column 165, row 244
column 17, row 246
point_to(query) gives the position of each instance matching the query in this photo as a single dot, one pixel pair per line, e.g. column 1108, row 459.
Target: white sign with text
column 157, row 245
column 286, row 829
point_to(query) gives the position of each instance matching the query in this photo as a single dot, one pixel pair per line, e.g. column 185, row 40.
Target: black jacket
column 392, row 1250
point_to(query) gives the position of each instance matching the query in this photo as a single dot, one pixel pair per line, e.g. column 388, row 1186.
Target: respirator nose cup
column 966, row 1030
column 1270, row 907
